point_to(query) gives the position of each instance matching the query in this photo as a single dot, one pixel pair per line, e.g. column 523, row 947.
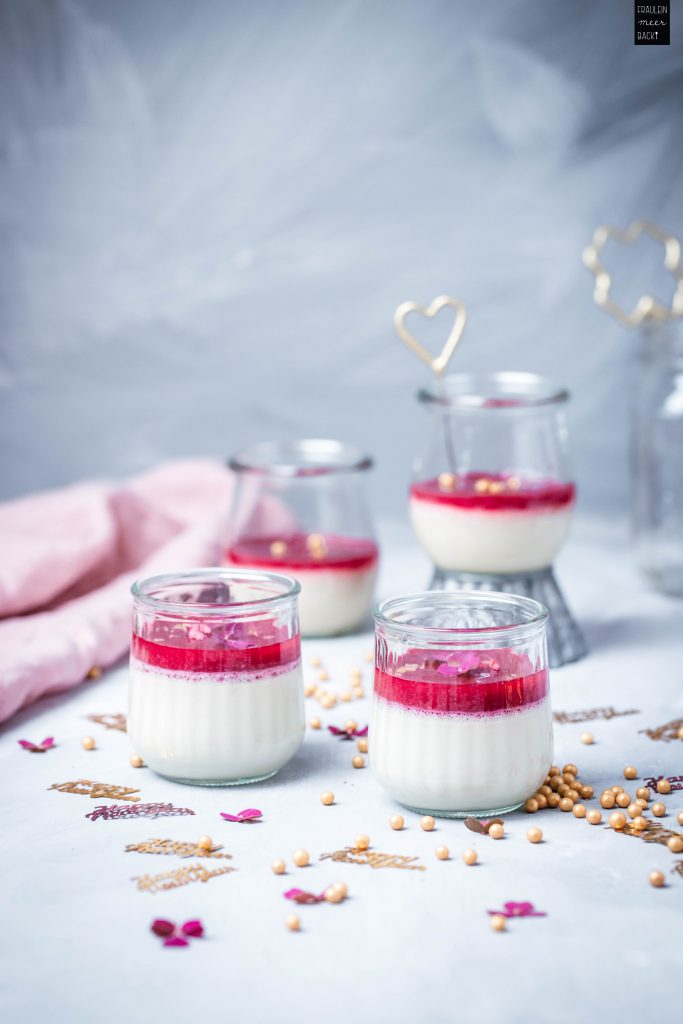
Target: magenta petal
column 162, row 927
column 176, row 940
column 47, row 743
column 335, row 731
column 292, row 894
column 230, row 817
column 361, row 732
column 249, row 813
column 27, row 745
column 193, row 928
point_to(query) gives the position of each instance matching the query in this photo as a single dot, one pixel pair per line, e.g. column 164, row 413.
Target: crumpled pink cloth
column 69, row 557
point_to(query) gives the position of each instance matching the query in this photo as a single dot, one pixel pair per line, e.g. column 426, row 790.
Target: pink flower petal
column 49, row 742
column 249, row 814
column 27, row 745
column 301, row 896
column 229, row 817
column 162, row 927
column 176, row 940
column 361, row 732
column 193, row 928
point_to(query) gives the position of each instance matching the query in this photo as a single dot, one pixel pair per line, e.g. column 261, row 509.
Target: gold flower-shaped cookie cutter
column 647, row 309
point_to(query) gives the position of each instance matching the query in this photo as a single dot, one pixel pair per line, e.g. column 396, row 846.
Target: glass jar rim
column 303, row 458
column 535, row 616
column 143, row 591
column 505, row 389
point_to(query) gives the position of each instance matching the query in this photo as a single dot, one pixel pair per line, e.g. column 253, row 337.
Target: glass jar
column 216, row 687
column 492, row 493
column 657, row 457
column 461, row 722
column 300, row 508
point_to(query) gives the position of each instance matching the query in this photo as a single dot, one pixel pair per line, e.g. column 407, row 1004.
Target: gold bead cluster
column 327, row 698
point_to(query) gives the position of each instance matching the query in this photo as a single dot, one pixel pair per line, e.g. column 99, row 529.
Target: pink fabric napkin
column 68, row 559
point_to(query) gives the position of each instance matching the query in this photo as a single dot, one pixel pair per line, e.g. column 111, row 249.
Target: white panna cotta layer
column 489, row 541
column 334, row 601
column 216, row 727
column 459, row 764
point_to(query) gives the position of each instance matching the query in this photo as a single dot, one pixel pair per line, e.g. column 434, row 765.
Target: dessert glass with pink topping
column 492, row 499
column 300, row 508
column 461, row 722
column 216, row 687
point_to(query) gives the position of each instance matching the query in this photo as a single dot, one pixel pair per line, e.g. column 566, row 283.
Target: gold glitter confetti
column 97, row 790
column 652, row 833
column 181, row 876
column 109, row 721
column 352, row 855
column 570, row 717
column 172, row 846
column 666, row 732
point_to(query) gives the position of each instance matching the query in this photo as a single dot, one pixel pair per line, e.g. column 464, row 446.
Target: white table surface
column 407, row 945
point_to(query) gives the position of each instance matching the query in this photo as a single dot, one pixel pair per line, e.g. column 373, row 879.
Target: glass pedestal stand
column 565, row 640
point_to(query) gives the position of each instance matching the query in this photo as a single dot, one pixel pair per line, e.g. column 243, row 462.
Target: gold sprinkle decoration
column 181, row 876
column 570, row 717
column 109, row 721
column 97, row 790
column 652, row 833
column 677, row 869
column 666, row 732
column 352, row 855
column 172, row 846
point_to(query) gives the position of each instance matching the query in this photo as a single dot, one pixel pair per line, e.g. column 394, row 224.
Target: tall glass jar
column 461, row 722
column 216, row 687
column 300, row 508
column 657, row 457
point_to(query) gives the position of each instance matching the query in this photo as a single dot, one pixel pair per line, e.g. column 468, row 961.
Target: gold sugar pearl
column 630, row 772
column 351, row 726
column 362, row 842
column 680, row 733
column 587, row 792
column 309, row 689
column 345, row 696
column 587, row 738
column 356, row 673
column 370, row 656
column 498, row 923
column 563, row 789
column 136, row 761
column 497, row 831
column 427, row 824
column 663, row 786
column 573, row 794
column 623, row 799
column 323, row 676
column 617, row 820
column 639, row 824
column 358, row 761
column 675, row 844
column 616, row 790
column 333, row 894
column 659, row 810
column 531, row 805
column 566, row 804
column 327, row 797
column 554, row 771
column 481, row 485
column 642, row 804
column 571, row 769
column 513, row 483
column 643, row 793
column 278, row 867
column 447, row 481
column 546, row 790
column 554, row 800
column 293, row 922
column 579, row 811
column 396, row 821
column 205, row 843
column 278, row 548
column 470, row 856
column 657, row 879
column 301, row 858
column 315, row 723
column 362, row 745
column 342, row 888
column 442, row 852
column 315, row 662
column 88, row 743
column 607, row 800
column 594, row 817
column 633, row 810
column 679, row 817
column 534, row 835
column 541, row 800
column 328, row 702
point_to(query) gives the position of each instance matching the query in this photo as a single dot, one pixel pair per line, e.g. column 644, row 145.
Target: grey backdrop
column 209, row 211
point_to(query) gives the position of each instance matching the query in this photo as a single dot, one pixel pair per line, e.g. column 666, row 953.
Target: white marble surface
column 407, row 945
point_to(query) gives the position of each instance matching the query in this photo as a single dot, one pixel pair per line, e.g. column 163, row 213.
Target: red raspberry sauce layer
column 335, row 553
column 486, row 683
column 199, row 658
column 530, row 496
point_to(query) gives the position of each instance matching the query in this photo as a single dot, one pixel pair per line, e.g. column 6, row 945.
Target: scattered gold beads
column 205, row 843
column 534, row 835
column 607, row 800
column 370, row 656
column 335, row 893
column 571, row 769
column 679, row 817
column 351, row 726
column 531, row 805
column 659, row 810
column 278, row 867
column 301, row 858
column 497, row 831
column 617, row 820
column 594, row 817
column 587, row 738
column 470, row 856
column 675, row 844
column 316, row 662
column 323, row 676
column 293, row 922
column 481, row 485
column 643, row 793
column 657, row 879
column 136, row 761
column 623, row 799
column 498, row 923
column 663, row 786
column 579, row 811
column 396, row 821
column 639, row 824
column 447, row 481
column 358, row 761
column 88, row 743
column 630, row 772
column 362, row 842
column 442, row 852
column 427, row 824
column 309, row 690
column 315, row 723
column 587, row 792
column 554, row 800
column 278, row 548
column 327, row 797
column 362, row 745
column 566, row 804
column 345, row 696
column 633, row 810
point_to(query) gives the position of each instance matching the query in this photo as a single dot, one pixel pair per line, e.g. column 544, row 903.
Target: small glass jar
column 493, row 493
column 461, row 722
column 657, row 457
column 216, row 687
column 300, row 508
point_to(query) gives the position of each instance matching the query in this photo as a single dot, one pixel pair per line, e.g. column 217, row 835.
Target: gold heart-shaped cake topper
column 438, row 363
column 647, row 308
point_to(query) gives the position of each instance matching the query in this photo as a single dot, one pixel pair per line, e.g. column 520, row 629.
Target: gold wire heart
column 436, row 363
column 646, row 308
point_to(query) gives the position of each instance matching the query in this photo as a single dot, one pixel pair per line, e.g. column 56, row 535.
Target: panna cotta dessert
column 461, row 721
column 216, row 685
column 484, row 523
column 337, row 575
